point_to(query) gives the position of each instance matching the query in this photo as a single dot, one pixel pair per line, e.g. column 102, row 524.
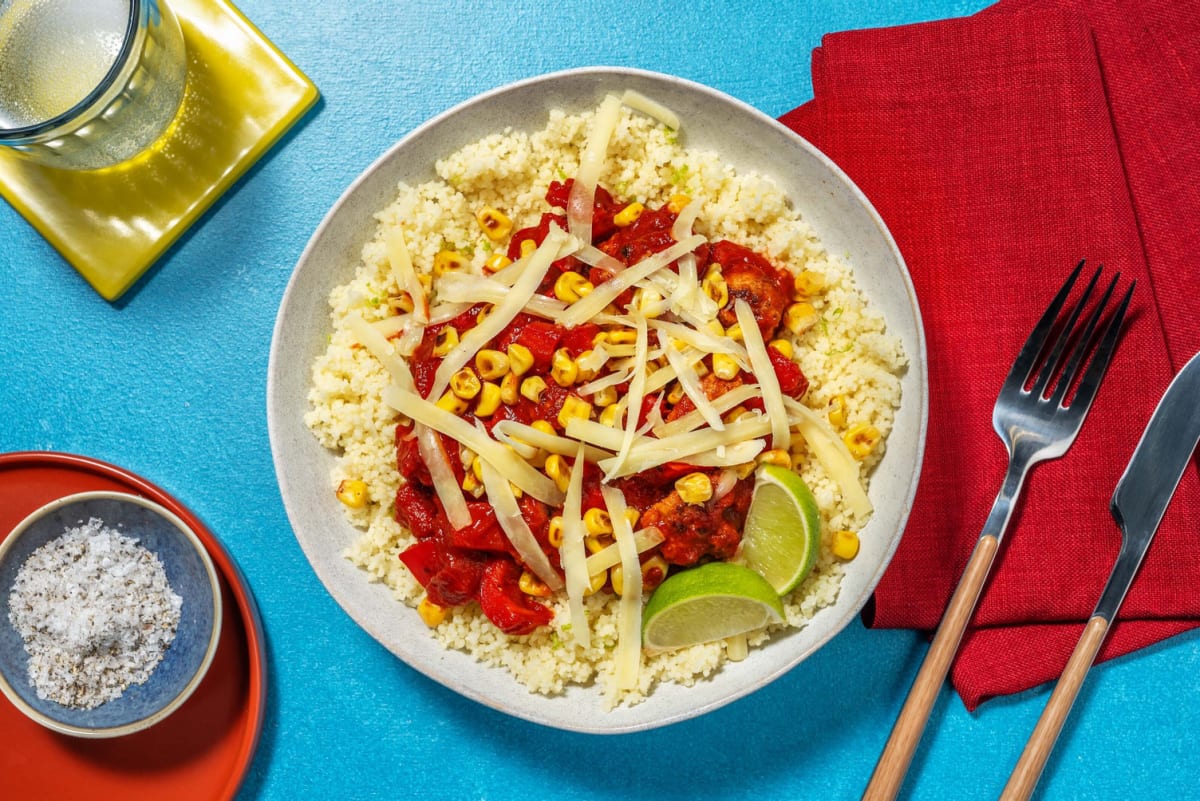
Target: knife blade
column 1150, row 479
column 1138, row 504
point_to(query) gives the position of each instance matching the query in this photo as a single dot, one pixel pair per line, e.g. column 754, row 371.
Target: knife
column 1138, row 504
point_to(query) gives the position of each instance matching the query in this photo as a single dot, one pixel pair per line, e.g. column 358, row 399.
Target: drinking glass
column 87, row 84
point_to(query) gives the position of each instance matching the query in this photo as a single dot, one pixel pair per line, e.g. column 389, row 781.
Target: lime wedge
column 707, row 603
column 782, row 530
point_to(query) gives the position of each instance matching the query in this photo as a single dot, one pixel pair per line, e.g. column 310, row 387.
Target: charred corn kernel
column 447, row 261
column 611, row 416
column 605, row 397
column 491, row 364
column 799, row 317
column 734, row 332
column 495, row 224
column 676, row 203
column 808, row 283
column 401, row 303
column 654, row 570
column 744, row 470
column 471, row 484
column 520, row 358
column 844, row 545
column 554, row 532
column 628, row 215
column 497, row 262
column 465, row 384
column 482, row 315
column 572, row 407
column 648, row 301
column 532, row 388
column 775, row 456
column 542, row 425
column 445, row 341
column 510, row 389
column 622, row 336
column 595, row 543
column 715, row 287
column 861, row 440
column 597, row 583
column 352, row 492
column 477, row 468
column 715, row 328
column 597, row 522
column 452, row 403
column 695, row 488
column 431, row 613
column 532, row 585
column 616, row 576
column 489, row 400
column 527, row 247
column 675, row 395
column 725, row 366
column 571, row 286
column 783, row 346
column 557, row 469
column 563, row 368
column 632, row 515
column 837, row 411
column 733, row 414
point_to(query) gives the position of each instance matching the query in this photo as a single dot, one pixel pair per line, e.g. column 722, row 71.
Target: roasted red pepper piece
column 792, row 380
column 542, row 340
column 424, row 560
column 502, row 601
column 580, row 338
column 458, row 579
column 417, row 511
column 483, row 533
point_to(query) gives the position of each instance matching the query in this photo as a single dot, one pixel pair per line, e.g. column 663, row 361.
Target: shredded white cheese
column 573, row 554
column 512, row 522
column 628, row 656
column 764, row 371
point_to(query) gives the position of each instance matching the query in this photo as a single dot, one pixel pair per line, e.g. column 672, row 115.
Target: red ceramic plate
column 202, row 751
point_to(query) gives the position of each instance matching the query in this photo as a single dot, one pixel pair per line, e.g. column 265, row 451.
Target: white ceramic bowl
column 744, row 138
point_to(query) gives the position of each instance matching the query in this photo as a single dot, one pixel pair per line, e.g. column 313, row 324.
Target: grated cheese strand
column 573, row 554
column 781, row 433
column 609, row 555
column 511, row 432
column 692, row 420
column 628, row 656
column 833, row 455
column 502, row 313
column 594, row 302
column 404, row 272
column 591, row 161
column 651, row 108
column 445, row 483
column 637, row 390
column 512, row 522
column 689, row 379
column 519, row 472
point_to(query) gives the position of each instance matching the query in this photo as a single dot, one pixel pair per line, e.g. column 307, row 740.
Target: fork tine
column 1052, row 361
column 1099, row 366
column 1083, row 344
column 1027, row 359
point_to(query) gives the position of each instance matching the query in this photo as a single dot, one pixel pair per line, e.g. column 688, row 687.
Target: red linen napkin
column 1001, row 149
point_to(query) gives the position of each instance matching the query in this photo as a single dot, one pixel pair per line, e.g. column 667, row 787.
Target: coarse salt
column 96, row 613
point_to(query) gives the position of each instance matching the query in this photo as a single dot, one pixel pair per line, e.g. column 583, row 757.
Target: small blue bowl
column 192, row 577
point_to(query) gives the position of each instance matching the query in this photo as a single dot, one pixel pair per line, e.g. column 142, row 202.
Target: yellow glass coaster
column 112, row 224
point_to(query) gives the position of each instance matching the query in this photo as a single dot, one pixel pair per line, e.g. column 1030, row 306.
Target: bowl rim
column 201, row 671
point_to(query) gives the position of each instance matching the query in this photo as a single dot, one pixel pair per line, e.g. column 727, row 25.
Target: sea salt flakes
column 96, row 613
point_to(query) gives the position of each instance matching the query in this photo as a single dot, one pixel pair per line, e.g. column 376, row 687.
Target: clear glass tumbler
column 86, row 84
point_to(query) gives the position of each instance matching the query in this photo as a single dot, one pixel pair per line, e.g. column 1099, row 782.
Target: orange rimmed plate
column 199, row 753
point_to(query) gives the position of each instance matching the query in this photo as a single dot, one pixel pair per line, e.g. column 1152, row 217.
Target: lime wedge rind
column 707, row 603
column 783, row 528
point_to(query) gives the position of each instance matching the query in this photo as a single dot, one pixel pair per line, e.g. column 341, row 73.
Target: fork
column 1036, row 421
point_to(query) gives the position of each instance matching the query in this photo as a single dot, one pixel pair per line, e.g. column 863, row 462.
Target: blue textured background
column 170, row 383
